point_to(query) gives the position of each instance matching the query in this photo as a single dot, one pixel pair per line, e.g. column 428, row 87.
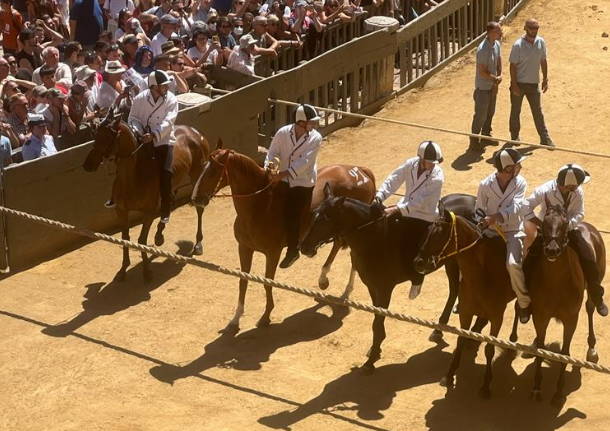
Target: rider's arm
column 426, row 200
column 392, row 182
column 576, row 209
column 274, row 148
column 165, row 128
column 134, row 118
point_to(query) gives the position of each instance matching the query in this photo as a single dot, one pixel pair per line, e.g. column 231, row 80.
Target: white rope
column 330, row 299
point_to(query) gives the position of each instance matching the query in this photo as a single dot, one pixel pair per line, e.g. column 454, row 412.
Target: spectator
column 241, row 60
column 112, row 8
column 94, row 61
column 77, row 103
column 212, row 22
column 189, row 74
column 185, row 22
column 63, row 73
column 5, row 148
column 12, row 63
column 57, row 115
column 18, row 116
column 38, row 98
column 123, row 24
column 9, row 88
column 247, row 22
column 12, row 24
column 113, row 53
column 222, row 6
column 129, row 48
column 265, row 43
column 284, row 37
column 72, row 52
column 47, row 78
column 86, row 22
column 225, row 29
column 203, row 52
column 144, row 61
column 39, row 144
column 201, row 9
column 112, row 87
column 89, row 76
column 177, row 84
column 333, row 11
column 238, row 28
column 149, row 24
column 169, row 24
column 159, row 11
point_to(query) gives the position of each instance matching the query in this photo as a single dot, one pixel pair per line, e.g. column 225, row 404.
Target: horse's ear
column 219, row 144
column 328, row 192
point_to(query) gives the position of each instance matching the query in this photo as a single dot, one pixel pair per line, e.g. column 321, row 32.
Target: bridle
column 453, row 237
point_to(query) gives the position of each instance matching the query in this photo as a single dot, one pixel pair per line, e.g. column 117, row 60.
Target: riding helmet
column 507, row 157
column 306, row 113
column 158, row 77
column 572, row 175
column 430, row 151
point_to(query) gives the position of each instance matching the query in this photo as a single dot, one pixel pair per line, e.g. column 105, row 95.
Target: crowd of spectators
column 70, row 61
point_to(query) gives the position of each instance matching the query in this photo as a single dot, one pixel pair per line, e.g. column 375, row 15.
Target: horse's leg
column 381, row 299
column 349, row 287
column 453, row 275
column 513, row 335
column 198, row 247
column 592, row 355
column 142, row 240
column 124, row 222
column 449, row 379
column 270, row 268
column 568, row 332
column 323, row 282
column 159, row 238
column 245, row 261
column 541, row 327
column 490, row 350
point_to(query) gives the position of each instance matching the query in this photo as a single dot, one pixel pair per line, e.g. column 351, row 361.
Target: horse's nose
column 552, row 251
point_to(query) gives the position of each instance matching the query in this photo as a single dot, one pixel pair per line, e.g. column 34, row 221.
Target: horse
column 379, row 250
column 484, row 288
column 259, row 203
column 556, row 285
column 136, row 185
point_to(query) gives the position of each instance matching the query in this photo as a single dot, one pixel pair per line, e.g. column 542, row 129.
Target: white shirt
column 35, row 148
column 115, row 6
column 422, row 193
column 241, row 62
column 509, row 203
column 194, row 54
column 549, row 191
column 63, row 75
column 159, row 116
column 157, row 41
column 106, row 95
column 298, row 157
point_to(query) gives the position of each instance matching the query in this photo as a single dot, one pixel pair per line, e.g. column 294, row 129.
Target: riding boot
column 166, row 195
column 594, row 289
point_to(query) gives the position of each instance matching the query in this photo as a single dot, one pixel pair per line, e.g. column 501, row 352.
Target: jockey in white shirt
column 566, row 192
column 423, row 179
column 296, row 146
column 501, row 197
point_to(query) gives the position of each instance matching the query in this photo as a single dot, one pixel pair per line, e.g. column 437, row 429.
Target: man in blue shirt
column 527, row 58
column 86, row 22
column 488, row 78
column 39, row 143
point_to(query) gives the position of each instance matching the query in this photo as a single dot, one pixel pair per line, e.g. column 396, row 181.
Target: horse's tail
column 371, row 176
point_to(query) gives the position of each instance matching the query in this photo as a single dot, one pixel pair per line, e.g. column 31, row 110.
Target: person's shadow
column 368, row 395
column 108, row 298
column 510, row 407
column 250, row 349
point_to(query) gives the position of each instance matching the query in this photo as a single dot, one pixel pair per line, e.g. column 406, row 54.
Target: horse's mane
column 245, row 163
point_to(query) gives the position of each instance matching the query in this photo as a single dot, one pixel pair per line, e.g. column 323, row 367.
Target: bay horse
column 259, row 204
column 556, row 284
column 379, row 251
column 136, row 185
column 484, row 288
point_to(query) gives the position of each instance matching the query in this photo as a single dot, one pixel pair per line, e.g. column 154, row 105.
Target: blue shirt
column 488, row 54
column 89, row 21
column 527, row 57
column 35, row 148
column 5, row 151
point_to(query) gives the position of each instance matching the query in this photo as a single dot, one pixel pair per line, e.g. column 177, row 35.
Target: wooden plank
column 344, row 93
column 403, row 54
column 409, row 57
column 355, row 93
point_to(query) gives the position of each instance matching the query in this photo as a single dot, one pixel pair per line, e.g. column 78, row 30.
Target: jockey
column 501, row 197
column 566, row 192
column 423, row 179
column 153, row 113
column 296, row 146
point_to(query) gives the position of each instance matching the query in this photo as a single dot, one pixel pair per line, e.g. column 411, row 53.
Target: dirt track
column 81, row 352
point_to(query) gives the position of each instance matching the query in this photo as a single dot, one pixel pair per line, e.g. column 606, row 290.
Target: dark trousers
column 298, row 200
column 532, row 93
column 484, row 110
column 414, row 231
column 588, row 264
column 164, row 156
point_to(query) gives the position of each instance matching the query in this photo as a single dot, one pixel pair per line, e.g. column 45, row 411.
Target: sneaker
column 164, row 220
column 110, row 204
column 488, row 141
column 524, row 314
column 290, row 258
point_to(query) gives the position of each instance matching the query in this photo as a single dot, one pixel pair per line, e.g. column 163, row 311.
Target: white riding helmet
column 507, row 157
column 572, row 175
column 306, row 113
column 430, row 151
column 158, row 77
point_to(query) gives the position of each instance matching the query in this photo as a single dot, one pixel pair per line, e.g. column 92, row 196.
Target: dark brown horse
column 485, row 287
column 136, row 186
column 259, row 204
column 556, row 284
column 380, row 249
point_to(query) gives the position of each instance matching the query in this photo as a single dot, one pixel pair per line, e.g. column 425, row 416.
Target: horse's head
column 431, row 252
column 105, row 144
column 336, row 216
column 554, row 231
column 213, row 177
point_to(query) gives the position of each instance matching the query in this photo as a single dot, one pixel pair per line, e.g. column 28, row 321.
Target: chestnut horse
column 136, row 186
column 556, row 284
column 485, row 287
column 380, row 251
column 259, row 225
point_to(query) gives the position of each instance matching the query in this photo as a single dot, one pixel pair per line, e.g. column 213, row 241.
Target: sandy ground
column 82, row 352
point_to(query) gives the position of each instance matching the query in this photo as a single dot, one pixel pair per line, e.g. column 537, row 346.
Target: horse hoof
column 323, row 284
column 159, row 240
column 436, row 336
column 558, row 400
column 263, row 322
column 513, row 338
column 485, row 393
column 592, row 356
column 197, row 250
column 230, row 329
column 367, row 369
column 446, row 383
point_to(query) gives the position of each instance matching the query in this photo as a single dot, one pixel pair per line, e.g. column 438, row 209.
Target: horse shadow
column 510, row 407
column 248, row 350
column 368, row 395
column 103, row 299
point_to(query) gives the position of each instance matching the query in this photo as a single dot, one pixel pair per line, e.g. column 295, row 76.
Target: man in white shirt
column 423, row 179
column 566, row 191
column 153, row 114
column 63, row 73
column 241, row 59
column 501, row 197
column 296, row 146
column 112, row 9
column 169, row 25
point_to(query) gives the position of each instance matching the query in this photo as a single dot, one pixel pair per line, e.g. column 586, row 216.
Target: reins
column 453, row 234
column 225, row 174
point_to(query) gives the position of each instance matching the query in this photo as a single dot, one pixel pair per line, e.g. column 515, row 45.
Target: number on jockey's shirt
column 360, row 177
